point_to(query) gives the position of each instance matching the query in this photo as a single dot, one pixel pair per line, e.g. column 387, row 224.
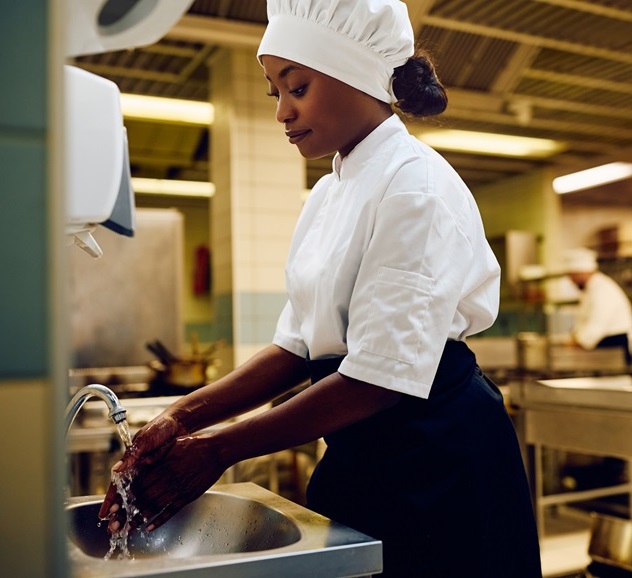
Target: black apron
column 439, row 481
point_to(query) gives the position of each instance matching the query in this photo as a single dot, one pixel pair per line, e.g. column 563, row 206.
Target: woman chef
column 388, row 273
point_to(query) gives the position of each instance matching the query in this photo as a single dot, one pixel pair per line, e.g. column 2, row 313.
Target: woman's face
column 321, row 115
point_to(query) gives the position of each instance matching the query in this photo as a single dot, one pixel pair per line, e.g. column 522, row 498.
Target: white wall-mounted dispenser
column 97, row 165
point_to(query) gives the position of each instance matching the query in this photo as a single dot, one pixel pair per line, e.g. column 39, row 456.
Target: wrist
column 217, row 449
column 181, row 418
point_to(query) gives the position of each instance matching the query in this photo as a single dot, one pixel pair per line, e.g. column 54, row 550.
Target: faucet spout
column 117, row 411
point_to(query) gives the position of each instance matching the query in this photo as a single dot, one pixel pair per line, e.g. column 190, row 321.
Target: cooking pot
column 533, row 351
column 182, row 372
column 611, row 541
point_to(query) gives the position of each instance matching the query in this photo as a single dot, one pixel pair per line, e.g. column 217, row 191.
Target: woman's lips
column 296, row 136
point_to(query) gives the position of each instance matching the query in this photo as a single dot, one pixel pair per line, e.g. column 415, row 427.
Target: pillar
column 259, row 179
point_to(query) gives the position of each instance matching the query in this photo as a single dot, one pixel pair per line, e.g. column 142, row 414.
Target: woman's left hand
column 186, row 470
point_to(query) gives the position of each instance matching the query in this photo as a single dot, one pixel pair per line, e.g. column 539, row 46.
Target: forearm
column 261, row 379
column 327, row 406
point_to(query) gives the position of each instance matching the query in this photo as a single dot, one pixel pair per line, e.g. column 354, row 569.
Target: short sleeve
column 287, row 334
column 407, row 291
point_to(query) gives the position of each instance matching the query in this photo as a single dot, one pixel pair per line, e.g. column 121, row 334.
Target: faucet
column 117, row 411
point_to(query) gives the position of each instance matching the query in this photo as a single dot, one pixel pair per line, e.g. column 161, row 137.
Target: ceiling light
column 137, row 106
column 490, row 143
column 592, row 177
column 173, row 187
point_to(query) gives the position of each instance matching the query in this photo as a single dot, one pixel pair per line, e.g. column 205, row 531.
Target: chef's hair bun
column 418, row 90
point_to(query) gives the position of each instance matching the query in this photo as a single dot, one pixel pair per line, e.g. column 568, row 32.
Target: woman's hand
column 148, row 445
column 189, row 467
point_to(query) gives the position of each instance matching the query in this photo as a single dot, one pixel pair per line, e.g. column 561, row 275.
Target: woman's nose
column 285, row 111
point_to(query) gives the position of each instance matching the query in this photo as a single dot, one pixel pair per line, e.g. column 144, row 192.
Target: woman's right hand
column 149, row 443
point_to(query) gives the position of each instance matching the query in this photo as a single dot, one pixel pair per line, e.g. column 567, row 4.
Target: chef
column 388, row 272
column 604, row 316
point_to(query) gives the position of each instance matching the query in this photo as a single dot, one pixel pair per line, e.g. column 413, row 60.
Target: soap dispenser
column 97, row 160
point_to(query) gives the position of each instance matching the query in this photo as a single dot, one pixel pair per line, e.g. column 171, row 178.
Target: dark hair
column 418, row 90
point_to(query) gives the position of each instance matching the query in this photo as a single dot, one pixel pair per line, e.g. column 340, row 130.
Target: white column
column 259, row 178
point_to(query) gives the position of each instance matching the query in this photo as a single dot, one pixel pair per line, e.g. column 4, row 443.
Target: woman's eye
column 274, row 95
column 300, row 91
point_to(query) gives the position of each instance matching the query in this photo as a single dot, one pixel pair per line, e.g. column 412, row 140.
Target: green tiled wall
column 258, row 314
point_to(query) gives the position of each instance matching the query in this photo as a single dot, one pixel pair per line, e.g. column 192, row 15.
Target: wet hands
column 189, row 468
column 168, row 473
column 149, row 444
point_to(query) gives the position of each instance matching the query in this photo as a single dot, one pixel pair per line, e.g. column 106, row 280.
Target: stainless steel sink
column 239, row 530
column 217, row 523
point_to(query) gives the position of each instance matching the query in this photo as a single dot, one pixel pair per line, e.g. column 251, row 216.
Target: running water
column 118, row 539
column 124, row 433
column 123, row 482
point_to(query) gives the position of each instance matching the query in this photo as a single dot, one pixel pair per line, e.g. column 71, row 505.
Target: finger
column 118, row 466
column 128, row 461
column 155, row 504
column 111, row 498
column 149, row 458
column 163, row 516
column 113, row 526
column 137, row 521
column 116, row 520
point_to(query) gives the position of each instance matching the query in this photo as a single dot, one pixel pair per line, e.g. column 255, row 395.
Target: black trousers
column 439, row 481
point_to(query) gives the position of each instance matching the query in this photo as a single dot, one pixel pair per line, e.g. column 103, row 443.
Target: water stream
column 124, row 433
column 123, row 482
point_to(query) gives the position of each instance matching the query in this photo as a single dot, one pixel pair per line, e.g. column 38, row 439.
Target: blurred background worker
column 604, row 318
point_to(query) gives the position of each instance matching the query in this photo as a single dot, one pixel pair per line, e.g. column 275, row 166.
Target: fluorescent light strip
column 173, row 187
column 136, row 106
column 592, row 177
column 490, row 143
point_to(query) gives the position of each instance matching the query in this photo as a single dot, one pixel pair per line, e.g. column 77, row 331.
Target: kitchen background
column 549, row 69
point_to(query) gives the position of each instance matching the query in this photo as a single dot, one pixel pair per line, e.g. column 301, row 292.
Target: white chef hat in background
column 359, row 42
column 579, row 260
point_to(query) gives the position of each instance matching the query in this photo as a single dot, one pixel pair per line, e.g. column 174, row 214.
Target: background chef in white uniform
column 388, row 272
column 604, row 316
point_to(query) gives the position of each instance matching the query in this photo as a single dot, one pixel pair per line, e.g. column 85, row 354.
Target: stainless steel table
column 589, row 415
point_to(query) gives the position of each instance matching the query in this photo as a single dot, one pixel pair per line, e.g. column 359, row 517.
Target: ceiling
column 557, row 69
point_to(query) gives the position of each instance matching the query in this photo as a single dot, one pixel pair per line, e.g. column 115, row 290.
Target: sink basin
column 216, row 523
column 238, row 530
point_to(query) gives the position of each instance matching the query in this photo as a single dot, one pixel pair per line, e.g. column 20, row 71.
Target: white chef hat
column 580, row 260
column 359, row 42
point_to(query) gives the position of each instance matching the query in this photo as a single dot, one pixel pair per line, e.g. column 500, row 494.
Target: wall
column 523, row 203
column 197, row 309
column 32, row 529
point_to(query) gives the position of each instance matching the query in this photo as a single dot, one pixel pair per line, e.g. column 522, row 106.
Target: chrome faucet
column 117, row 411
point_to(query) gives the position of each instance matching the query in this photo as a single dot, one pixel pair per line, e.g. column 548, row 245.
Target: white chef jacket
column 388, row 261
column 604, row 310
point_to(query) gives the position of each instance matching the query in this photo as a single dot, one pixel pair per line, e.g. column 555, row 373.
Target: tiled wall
column 257, row 201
